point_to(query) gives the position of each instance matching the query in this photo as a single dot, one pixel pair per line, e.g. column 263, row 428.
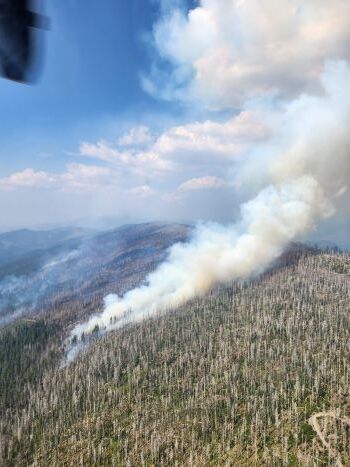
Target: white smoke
column 303, row 170
column 223, row 52
column 216, row 253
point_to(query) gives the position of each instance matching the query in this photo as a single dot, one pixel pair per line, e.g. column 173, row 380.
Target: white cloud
column 168, row 177
column 86, row 177
column 188, row 149
column 28, row 178
column 211, row 142
column 76, row 177
column 224, row 52
column 133, row 161
column 103, row 151
column 136, row 136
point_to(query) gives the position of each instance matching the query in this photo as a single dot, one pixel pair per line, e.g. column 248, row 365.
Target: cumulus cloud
column 195, row 155
column 225, row 52
column 27, row 178
column 103, row 151
column 136, row 136
column 215, row 140
column 136, row 161
column 76, row 177
column 184, row 149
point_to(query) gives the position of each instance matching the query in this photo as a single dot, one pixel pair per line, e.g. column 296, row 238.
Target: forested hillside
column 244, row 376
column 39, row 271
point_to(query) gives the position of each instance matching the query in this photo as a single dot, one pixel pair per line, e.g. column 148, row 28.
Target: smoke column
column 304, row 171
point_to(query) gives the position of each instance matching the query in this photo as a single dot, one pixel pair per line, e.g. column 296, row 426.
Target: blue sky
column 173, row 110
column 90, row 77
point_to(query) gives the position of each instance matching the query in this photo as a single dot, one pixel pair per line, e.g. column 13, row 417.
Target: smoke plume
column 303, row 171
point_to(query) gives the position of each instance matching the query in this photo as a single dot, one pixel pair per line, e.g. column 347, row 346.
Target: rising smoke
column 23, row 294
column 304, row 171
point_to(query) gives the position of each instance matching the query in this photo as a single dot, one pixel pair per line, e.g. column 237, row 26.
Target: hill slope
column 77, row 266
column 229, row 379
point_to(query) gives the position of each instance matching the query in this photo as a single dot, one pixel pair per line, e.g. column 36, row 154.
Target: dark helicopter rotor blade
column 17, row 45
